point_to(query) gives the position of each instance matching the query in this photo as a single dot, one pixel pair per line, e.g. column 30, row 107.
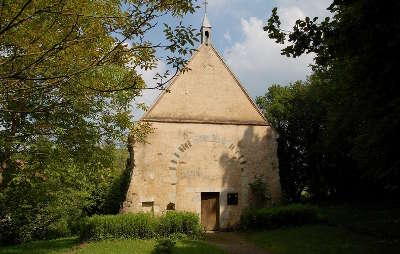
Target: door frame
column 210, row 194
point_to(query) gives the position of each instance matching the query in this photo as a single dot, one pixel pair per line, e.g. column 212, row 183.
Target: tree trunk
column 130, row 162
column 6, row 156
column 3, row 167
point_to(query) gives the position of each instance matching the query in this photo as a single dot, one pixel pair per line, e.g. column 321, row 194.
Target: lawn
column 367, row 229
column 348, row 229
column 71, row 246
column 41, row 247
column 313, row 239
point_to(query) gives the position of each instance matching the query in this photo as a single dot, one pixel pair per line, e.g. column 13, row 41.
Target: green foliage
column 100, row 227
column 260, row 192
column 164, row 246
column 65, row 104
column 173, row 222
column 140, row 226
column 355, row 66
column 298, row 112
column 45, row 199
column 276, row 217
column 69, row 69
column 68, row 76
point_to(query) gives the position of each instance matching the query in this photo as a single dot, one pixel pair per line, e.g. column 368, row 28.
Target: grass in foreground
column 146, row 247
column 381, row 220
column 316, row 239
column 41, row 247
column 71, row 246
column 367, row 228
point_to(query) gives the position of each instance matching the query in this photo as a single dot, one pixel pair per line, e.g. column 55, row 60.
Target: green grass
column 365, row 228
column 145, row 247
column 379, row 220
column 196, row 247
column 316, row 239
column 41, row 247
column 71, row 246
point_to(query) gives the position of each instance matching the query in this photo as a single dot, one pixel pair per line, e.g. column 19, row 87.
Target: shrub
column 260, row 192
column 275, row 217
column 140, row 226
column 44, row 198
column 174, row 222
column 59, row 228
column 99, row 227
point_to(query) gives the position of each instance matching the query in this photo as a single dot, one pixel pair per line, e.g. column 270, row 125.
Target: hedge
column 140, row 226
column 276, row 217
column 179, row 222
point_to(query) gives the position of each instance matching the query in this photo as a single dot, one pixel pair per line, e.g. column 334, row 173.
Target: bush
column 44, row 198
column 59, row 228
column 140, row 226
column 276, row 217
column 172, row 223
column 260, row 192
column 99, row 227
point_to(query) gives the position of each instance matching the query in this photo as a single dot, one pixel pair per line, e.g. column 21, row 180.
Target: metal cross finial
column 205, row 6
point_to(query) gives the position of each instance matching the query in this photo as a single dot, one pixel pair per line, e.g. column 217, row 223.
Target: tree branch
column 10, row 24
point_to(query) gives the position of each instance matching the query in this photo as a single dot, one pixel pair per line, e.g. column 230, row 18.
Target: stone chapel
column 209, row 142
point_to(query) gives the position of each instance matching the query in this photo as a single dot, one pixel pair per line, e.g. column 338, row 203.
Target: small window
column 233, row 198
column 170, row 207
column 207, row 37
column 148, row 207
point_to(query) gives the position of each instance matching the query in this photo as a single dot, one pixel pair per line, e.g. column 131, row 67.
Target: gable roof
column 208, row 93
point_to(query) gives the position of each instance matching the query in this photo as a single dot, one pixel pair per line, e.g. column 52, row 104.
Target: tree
column 68, row 79
column 356, row 54
column 298, row 116
column 69, row 68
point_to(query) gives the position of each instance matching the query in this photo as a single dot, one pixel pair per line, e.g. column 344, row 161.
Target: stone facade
column 209, row 137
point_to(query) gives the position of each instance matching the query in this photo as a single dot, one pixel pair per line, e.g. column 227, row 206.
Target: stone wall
column 181, row 160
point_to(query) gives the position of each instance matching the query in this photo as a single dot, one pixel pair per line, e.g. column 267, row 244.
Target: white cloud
column 258, row 62
column 148, row 95
column 289, row 15
column 312, row 8
column 227, row 36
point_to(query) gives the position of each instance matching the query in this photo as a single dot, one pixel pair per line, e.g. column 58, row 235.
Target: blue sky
column 237, row 34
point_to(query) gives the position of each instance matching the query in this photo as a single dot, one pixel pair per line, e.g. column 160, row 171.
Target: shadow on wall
column 255, row 155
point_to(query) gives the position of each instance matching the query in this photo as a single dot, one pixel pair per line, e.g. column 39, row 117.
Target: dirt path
column 233, row 243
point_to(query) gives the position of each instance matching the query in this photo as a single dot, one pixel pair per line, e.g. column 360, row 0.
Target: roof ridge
column 146, row 117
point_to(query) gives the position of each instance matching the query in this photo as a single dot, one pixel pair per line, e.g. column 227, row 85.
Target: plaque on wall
column 233, row 198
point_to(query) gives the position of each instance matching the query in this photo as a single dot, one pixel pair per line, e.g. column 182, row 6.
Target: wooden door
column 210, row 210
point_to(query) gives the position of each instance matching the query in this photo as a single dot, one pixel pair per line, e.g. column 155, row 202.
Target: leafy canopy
column 355, row 60
column 68, row 69
column 68, row 79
